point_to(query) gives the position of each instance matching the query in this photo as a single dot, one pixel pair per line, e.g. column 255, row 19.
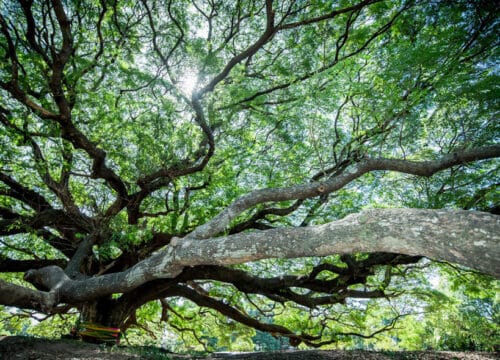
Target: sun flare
column 188, row 82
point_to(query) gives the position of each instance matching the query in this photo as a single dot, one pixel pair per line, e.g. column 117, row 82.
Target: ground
column 17, row 347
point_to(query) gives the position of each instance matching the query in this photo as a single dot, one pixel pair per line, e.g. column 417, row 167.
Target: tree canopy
column 284, row 167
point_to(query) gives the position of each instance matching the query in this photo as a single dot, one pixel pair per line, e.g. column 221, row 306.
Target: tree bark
column 468, row 238
column 21, row 297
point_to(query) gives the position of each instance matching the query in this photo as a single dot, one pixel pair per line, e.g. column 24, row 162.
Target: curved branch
column 59, row 188
column 341, row 43
column 420, row 168
column 263, row 39
column 19, row 296
column 253, row 222
column 58, row 85
column 229, row 311
column 24, row 194
column 99, row 167
column 328, row 16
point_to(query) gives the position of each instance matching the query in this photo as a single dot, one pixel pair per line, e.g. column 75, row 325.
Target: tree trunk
column 102, row 321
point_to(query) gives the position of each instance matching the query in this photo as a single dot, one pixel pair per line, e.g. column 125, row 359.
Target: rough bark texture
column 465, row 237
column 19, row 296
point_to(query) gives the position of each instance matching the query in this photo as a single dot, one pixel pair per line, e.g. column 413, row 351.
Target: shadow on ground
column 26, row 348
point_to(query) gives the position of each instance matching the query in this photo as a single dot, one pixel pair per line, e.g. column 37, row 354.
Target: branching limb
column 420, row 168
column 24, row 194
column 19, row 296
column 338, row 57
column 59, row 87
column 263, row 39
column 229, row 311
column 401, row 231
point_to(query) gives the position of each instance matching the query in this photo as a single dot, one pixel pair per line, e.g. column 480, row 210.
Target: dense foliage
column 127, row 124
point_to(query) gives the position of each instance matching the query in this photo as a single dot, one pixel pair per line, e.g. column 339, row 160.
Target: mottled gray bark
column 22, row 297
column 468, row 238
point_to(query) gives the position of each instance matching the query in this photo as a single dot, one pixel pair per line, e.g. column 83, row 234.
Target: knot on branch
column 49, row 278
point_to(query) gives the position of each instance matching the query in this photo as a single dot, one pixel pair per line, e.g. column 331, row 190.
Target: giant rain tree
column 153, row 151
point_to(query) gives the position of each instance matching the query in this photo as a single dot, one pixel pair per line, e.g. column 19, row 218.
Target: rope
column 99, row 334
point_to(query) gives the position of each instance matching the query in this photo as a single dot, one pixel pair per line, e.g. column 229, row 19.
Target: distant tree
column 468, row 317
column 152, row 151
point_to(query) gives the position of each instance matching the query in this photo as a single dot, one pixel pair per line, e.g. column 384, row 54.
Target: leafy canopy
column 127, row 123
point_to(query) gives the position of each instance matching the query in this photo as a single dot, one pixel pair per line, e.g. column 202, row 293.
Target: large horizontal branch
column 420, row 168
column 468, row 238
column 356, row 272
column 22, row 297
column 47, row 218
